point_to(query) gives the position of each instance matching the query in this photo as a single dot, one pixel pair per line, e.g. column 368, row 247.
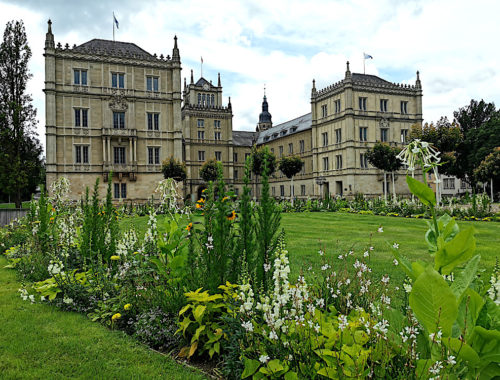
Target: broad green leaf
column 184, row 309
column 423, row 192
column 275, row 366
column 198, row 313
column 462, row 350
column 330, row 373
column 468, row 312
column 433, row 302
column 192, row 349
column 291, row 375
column 487, row 344
column 464, row 278
column 197, row 333
column 405, row 263
column 456, row 251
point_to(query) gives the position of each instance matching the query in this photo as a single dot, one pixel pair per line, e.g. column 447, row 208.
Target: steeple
column 49, row 37
column 175, row 52
column 313, row 90
column 185, row 86
column 265, row 118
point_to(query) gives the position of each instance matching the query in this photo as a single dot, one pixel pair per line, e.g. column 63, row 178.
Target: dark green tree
column 21, row 165
column 172, row 168
column 259, row 156
column 209, row 170
column 383, row 157
column 290, row 166
column 489, row 170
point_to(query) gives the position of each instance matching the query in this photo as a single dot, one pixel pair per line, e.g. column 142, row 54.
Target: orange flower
column 225, row 199
column 231, row 216
column 189, row 226
column 198, row 205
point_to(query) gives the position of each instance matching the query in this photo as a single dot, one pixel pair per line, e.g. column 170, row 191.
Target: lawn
column 38, row 341
column 13, row 205
column 338, row 233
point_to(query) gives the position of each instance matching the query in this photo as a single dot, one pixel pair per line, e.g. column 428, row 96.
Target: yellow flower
column 127, row 306
column 232, row 216
column 201, row 200
column 189, row 226
column 204, row 190
column 225, row 199
column 114, row 257
column 51, row 219
column 198, row 205
column 136, row 253
column 116, row 316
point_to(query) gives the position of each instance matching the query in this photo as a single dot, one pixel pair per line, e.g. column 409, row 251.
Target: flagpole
column 113, row 26
column 201, row 64
column 364, row 59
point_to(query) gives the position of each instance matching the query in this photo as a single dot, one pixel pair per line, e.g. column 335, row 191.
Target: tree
column 21, row 165
column 383, row 157
column 259, row 156
column 209, row 170
column 290, row 166
column 172, row 168
column 489, row 170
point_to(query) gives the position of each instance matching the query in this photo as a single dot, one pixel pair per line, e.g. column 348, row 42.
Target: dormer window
column 283, row 133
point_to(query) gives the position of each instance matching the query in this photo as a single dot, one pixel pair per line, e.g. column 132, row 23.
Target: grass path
column 39, row 341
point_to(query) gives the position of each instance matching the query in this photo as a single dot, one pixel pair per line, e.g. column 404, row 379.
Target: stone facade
column 113, row 107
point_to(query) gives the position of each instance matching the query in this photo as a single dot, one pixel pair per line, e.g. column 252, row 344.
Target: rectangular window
column 217, row 136
column 117, row 80
column 363, row 133
column 201, row 155
column 404, row 108
column 218, row 156
column 302, row 189
column 281, row 151
column 274, row 191
column 118, row 120
column 383, row 105
column 85, row 154
column 282, row 190
column 362, row 104
column 77, row 118
column 290, row 148
column 301, row 146
column 124, row 190
column 337, row 106
column 201, row 135
column 153, row 121
column 324, row 136
column 324, row 111
column 119, row 154
column 325, row 163
column 153, row 155
column 201, row 123
column 339, row 161
column 235, row 157
column 152, row 84
column 235, row 174
column 272, row 150
column 404, row 136
column 78, row 154
column 338, row 136
column 80, row 77
column 81, row 117
column 236, row 191
column 363, row 161
column 117, row 190
column 217, row 124
column 384, row 132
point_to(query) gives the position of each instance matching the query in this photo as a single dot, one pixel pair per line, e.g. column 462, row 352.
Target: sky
column 285, row 44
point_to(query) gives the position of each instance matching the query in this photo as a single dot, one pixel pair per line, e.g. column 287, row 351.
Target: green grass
column 338, row 232
column 39, row 341
column 13, row 205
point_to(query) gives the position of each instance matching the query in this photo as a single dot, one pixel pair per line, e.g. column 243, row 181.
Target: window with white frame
column 217, row 124
column 384, row 134
column 80, row 77
column 325, row 163
column 153, row 121
column 201, row 135
column 201, row 155
column 201, row 123
column 119, row 120
column 362, row 103
column 363, row 133
column 404, row 136
column 338, row 159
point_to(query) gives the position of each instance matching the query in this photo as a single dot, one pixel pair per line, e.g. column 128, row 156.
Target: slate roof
column 243, row 138
column 363, row 78
column 202, row 81
column 113, row 48
column 296, row 125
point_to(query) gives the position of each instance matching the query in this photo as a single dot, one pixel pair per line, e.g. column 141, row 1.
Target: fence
column 8, row 215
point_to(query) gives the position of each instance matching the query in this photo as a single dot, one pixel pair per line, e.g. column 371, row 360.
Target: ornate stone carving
column 118, row 103
column 384, row 123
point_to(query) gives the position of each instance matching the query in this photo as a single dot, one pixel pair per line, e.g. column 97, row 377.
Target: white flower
column 321, row 253
column 273, row 335
column 366, row 254
column 341, row 257
column 68, row 300
column 395, row 262
column 248, row 326
column 395, row 246
column 325, row 267
column 263, row 359
column 371, row 248
column 380, row 229
column 32, row 298
column 342, row 322
column 407, row 288
column 451, row 360
column 385, row 279
column 267, row 267
column 436, row 368
column 382, row 326
column 316, row 328
column 42, row 298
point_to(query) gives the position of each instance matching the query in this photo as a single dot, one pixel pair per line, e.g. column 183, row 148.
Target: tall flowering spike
column 419, row 152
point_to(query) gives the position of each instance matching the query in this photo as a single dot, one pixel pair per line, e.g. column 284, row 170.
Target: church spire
column 265, row 118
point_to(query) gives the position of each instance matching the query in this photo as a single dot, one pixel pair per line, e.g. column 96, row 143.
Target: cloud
column 286, row 43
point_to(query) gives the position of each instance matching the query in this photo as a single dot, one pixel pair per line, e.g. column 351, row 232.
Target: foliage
column 383, row 157
column 21, row 165
column 172, row 168
column 209, row 170
column 290, row 165
column 263, row 160
column 489, row 167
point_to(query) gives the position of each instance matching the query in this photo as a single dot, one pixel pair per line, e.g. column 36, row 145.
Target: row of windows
column 81, row 119
column 362, row 106
column 363, row 135
column 338, row 162
column 217, row 135
column 117, row 80
column 201, row 123
column 292, row 190
column 119, row 155
column 290, row 148
column 206, row 99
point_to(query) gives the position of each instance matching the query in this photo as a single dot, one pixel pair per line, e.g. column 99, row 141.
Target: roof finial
column 49, row 37
column 229, row 103
column 218, row 81
column 185, row 83
column 192, row 78
column 264, row 90
column 50, row 26
column 175, row 52
column 417, row 83
column 314, row 84
column 347, row 72
column 348, row 66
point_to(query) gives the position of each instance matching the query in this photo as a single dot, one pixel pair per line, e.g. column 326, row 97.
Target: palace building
column 112, row 107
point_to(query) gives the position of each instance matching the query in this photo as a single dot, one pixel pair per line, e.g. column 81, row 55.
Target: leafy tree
column 383, row 157
column 259, row 156
column 489, row 170
column 172, row 168
column 475, row 115
column 209, row 170
column 290, row 166
column 20, row 150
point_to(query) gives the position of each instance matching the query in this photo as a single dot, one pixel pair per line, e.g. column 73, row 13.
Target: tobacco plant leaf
column 464, row 278
column 422, row 191
column 455, row 252
column 433, row 302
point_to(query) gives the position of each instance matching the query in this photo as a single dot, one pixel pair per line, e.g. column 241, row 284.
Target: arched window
column 203, row 99
column 199, row 99
column 213, row 99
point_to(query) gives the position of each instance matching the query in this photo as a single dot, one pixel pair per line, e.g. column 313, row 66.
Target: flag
column 367, row 56
column 116, row 21
column 201, row 59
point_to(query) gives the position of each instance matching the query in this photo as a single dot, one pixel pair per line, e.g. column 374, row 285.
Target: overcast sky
column 285, row 44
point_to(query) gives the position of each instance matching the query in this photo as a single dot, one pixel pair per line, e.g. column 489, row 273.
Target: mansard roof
column 113, row 48
column 363, row 78
column 243, row 138
column 296, row 125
